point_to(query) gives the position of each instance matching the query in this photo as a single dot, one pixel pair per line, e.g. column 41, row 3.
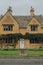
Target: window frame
column 10, row 27
column 34, row 27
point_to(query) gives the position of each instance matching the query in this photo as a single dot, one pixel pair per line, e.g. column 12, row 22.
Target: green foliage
column 16, row 37
column 8, row 49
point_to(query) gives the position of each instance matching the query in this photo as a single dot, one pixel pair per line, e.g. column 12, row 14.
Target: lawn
column 34, row 53
column 15, row 53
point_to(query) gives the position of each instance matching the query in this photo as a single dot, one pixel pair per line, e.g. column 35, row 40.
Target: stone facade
column 32, row 24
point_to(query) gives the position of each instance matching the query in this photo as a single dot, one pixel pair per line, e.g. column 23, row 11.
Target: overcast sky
column 21, row 7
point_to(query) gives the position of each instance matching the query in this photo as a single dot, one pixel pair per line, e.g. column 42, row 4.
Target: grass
column 15, row 53
column 9, row 52
column 34, row 53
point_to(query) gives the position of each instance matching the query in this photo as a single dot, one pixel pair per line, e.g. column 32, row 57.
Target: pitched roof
column 24, row 20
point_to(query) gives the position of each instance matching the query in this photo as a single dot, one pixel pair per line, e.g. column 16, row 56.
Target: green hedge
column 8, row 49
column 13, row 49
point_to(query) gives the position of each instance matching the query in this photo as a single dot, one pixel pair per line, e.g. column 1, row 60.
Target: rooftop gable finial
column 32, row 9
column 10, row 9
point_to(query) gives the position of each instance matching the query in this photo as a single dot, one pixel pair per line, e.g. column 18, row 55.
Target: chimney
column 32, row 11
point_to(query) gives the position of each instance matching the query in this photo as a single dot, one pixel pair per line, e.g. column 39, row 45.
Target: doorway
column 21, row 43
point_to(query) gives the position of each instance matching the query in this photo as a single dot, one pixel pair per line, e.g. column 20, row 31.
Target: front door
column 21, row 43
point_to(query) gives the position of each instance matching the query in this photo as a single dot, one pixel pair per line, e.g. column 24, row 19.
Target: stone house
column 21, row 32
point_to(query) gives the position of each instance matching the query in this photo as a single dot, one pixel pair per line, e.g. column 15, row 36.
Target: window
column 8, row 27
column 8, row 40
column 34, row 41
column 34, row 27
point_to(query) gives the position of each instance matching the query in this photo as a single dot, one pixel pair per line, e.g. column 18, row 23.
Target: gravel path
column 29, row 61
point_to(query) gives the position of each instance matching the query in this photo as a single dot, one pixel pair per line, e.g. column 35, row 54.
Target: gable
column 8, row 19
column 34, row 21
